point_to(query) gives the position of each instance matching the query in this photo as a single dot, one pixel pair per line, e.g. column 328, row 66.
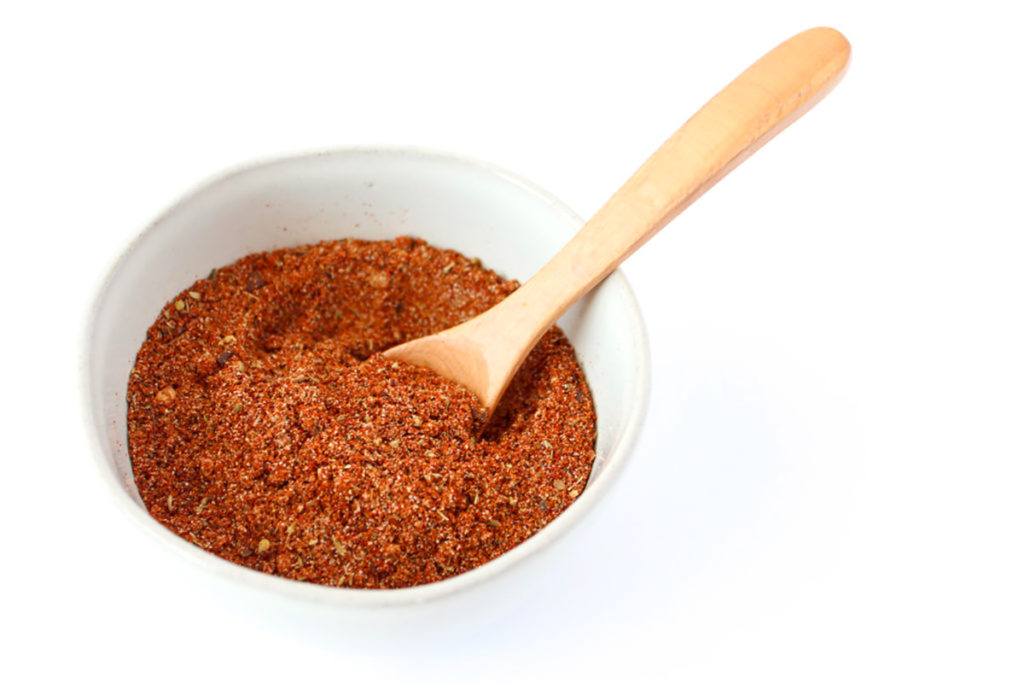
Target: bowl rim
column 361, row 597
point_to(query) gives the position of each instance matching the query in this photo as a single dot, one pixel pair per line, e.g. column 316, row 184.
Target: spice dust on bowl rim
column 369, row 194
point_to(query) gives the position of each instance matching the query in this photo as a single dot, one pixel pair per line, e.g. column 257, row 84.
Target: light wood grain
column 483, row 353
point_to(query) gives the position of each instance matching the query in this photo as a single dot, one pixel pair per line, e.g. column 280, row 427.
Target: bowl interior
column 478, row 210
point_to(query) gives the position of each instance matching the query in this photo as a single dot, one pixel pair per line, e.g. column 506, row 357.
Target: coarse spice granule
column 265, row 426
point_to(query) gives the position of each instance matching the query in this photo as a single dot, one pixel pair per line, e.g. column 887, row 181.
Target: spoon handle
column 485, row 352
column 772, row 93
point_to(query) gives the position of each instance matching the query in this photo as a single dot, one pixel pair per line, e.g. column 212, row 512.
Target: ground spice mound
column 265, row 426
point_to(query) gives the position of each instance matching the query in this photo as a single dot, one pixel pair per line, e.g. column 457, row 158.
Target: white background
column 829, row 483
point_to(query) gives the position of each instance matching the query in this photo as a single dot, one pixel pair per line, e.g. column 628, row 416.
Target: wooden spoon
column 484, row 353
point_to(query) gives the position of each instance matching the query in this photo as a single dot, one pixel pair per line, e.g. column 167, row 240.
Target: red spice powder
column 265, row 426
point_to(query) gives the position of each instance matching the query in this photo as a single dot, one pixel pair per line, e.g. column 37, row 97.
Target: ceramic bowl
column 475, row 208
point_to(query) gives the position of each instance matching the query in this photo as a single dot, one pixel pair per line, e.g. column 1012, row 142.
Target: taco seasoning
column 265, row 427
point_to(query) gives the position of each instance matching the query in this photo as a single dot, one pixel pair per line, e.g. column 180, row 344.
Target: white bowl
column 477, row 209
